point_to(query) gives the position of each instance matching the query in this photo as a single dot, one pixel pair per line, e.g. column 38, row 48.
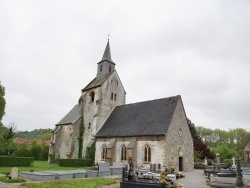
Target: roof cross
column 109, row 35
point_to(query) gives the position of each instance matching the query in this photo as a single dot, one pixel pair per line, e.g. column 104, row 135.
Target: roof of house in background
column 21, row 141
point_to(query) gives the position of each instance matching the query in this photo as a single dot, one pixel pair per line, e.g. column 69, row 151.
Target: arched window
column 112, row 96
column 109, row 68
column 123, row 152
column 101, row 68
column 115, row 97
column 92, row 96
column 104, row 152
column 147, row 154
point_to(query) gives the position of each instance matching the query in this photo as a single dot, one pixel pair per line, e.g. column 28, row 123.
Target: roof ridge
column 177, row 96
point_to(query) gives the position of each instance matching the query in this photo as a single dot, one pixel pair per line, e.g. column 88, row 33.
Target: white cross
column 109, row 35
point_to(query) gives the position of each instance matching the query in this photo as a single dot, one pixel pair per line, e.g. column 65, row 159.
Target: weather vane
column 109, row 35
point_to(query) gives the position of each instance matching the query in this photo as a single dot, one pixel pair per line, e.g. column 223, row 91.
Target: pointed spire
column 107, row 54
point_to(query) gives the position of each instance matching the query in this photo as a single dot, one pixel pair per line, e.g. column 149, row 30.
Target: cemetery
column 235, row 175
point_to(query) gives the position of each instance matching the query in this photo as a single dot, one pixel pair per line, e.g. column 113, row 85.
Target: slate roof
column 96, row 82
column 140, row 119
column 107, row 54
column 71, row 117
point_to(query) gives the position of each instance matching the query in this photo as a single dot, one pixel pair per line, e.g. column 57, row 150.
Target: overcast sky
column 200, row 50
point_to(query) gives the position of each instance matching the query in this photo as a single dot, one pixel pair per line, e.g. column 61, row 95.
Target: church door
column 180, row 163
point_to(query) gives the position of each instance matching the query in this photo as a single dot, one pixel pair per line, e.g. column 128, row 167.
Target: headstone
column 233, row 165
column 205, row 161
column 14, row 173
column 156, row 167
column 217, row 161
column 104, row 167
column 151, row 167
column 118, row 164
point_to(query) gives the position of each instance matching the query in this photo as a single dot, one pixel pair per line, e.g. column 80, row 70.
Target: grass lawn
column 38, row 166
column 77, row 183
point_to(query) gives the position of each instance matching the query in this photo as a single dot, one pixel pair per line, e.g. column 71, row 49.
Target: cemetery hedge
column 16, row 161
column 74, row 162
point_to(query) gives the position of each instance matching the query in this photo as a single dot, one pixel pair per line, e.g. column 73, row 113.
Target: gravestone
column 14, row 173
column 233, row 165
column 205, row 161
column 104, row 167
column 156, row 167
column 117, row 167
column 118, row 164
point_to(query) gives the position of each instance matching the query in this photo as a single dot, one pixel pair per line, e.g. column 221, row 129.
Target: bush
column 74, row 162
column 16, row 161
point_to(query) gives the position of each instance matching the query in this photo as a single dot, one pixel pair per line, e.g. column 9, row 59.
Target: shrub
column 16, row 161
column 74, row 162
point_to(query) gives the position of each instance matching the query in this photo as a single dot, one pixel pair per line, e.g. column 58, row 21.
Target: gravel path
column 194, row 179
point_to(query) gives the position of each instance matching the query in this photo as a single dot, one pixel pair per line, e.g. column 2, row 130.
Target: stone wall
column 179, row 142
column 245, row 150
column 97, row 111
column 157, row 145
column 65, row 144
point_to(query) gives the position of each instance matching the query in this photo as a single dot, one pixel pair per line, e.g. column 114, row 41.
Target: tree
column 2, row 105
column 226, row 152
column 192, row 129
column 7, row 144
column 10, row 132
column 36, row 150
column 200, row 149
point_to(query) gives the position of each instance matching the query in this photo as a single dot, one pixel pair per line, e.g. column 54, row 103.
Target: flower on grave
column 162, row 178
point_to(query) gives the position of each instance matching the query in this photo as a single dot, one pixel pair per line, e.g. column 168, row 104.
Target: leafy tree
column 2, row 104
column 226, row 152
column 200, row 149
column 36, row 150
column 192, row 129
column 44, row 151
column 233, row 138
column 7, row 144
column 7, row 147
column 10, row 132
column 44, row 134
column 23, row 151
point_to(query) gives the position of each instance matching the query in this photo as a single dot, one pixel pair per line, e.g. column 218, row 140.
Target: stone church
column 143, row 133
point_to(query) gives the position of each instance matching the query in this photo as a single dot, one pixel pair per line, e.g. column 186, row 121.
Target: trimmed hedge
column 74, row 162
column 16, row 161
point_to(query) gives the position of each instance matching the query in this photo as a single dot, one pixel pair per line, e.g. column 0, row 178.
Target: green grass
column 78, row 183
column 6, row 180
column 38, row 166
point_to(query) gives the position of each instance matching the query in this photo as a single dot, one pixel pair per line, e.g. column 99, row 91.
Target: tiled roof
column 71, row 117
column 140, row 119
column 21, row 141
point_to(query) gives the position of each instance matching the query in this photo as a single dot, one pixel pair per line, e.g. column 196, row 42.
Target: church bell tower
column 106, row 65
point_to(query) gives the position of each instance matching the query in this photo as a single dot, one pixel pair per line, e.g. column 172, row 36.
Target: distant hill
column 35, row 134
